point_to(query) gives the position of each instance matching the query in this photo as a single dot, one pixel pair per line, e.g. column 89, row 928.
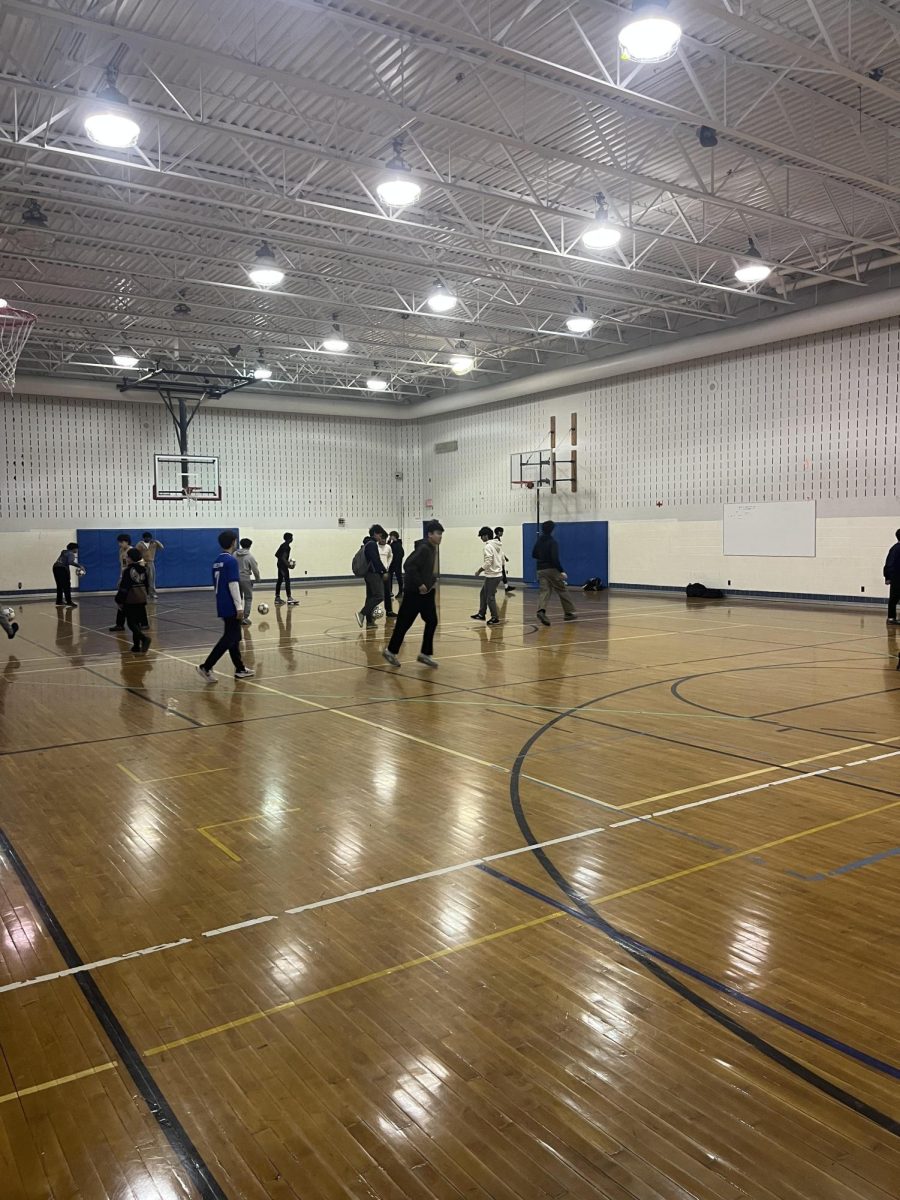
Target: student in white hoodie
column 249, row 569
column 491, row 570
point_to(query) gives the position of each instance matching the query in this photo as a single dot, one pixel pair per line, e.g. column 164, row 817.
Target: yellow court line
column 796, row 762
column 204, row 832
column 262, row 1014
column 164, row 778
column 52, row 1083
column 260, row 816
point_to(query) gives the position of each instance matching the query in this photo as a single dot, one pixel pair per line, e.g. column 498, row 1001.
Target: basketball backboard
column 186, row 476
column 530, row 468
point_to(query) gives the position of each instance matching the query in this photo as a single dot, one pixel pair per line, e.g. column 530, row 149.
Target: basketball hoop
column 525, row 483
column 15, row 326
column 188, row 494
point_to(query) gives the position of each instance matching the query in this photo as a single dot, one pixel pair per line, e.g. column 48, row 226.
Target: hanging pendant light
column 601, row 235
column 264, row 271
column 262, row 370
column 109, row 122
column 461, row 361
column 579, row 320
column 334, row 342
column 651, row 35
column 398, row 188
column 440, row 299
column 376, row 382
column 754, row 270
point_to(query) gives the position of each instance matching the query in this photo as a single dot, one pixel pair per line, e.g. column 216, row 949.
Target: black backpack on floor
column 699, row 591
column 593, row 585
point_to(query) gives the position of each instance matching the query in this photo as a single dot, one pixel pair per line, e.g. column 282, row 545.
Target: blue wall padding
column 583, row 550
column 186, row 561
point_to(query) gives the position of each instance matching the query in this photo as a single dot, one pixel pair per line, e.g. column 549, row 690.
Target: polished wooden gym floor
column 608, row 909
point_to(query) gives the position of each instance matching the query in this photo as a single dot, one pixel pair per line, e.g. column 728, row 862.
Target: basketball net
column 188, row 494
column 15, row 326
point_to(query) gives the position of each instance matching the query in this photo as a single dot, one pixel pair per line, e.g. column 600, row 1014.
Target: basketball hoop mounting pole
column 176, row 388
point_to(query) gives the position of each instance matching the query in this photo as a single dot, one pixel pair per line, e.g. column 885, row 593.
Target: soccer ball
column 291, row 564
column 379, row 611
column 81, row 572
column 9, row 613
column 262, row 608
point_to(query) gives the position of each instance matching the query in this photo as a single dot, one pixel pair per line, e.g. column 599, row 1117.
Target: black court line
column 160, row 1109
column 636, row 951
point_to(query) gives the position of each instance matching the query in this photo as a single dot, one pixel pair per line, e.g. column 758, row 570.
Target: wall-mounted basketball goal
column 547, row 468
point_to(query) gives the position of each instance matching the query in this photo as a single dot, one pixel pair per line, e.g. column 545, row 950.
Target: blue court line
column 845, row 868
column 635, row 946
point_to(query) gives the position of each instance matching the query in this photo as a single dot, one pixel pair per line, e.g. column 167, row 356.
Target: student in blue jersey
column 230, row 608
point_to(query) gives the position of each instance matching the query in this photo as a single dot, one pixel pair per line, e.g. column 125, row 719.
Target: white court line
column 436, row 873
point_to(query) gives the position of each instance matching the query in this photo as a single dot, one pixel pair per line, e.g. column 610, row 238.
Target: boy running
column 418, row 598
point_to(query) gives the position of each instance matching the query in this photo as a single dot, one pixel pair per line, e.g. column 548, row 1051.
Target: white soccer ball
column 379, row 611
column 9, row 613
column 291, row 564
column 81, row 572
column 262, row 608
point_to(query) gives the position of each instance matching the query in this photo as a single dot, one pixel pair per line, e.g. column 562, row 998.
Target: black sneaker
column 13, row 630
column 494, row 621
column 571, row 617
column 117, row 629
column 477, row 617
column 542, row 617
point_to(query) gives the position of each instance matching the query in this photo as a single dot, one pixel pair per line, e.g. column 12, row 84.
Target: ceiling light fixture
column 376, row 382
column 125, row 358
column 440, row 299
column 109, row 123
column 3, row 303
column 33, row 215
column 262, row 370
column 334, row 342
column 398, row 189
column 461, row 361
column 601, row 235
column 651, row 35
column 754, row 270
column 580, row 320
column 265, row 271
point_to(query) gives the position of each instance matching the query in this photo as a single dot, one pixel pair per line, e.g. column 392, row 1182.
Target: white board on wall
column 777, row 530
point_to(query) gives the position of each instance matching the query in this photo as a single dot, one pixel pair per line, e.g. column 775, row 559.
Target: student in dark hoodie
column 376, row 576
column 419, row 598
column 285, row 565
column 395, row 571
column 551, row 576
column 132, row 599
column 892, row 579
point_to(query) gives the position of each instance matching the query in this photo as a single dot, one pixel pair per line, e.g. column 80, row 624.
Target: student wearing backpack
column 131, row 599
column 375, row 575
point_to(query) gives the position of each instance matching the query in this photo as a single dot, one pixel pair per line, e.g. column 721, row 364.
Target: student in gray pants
column 249, row 569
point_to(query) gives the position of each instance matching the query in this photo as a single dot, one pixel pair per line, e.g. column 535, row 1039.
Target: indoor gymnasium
column 449, row 567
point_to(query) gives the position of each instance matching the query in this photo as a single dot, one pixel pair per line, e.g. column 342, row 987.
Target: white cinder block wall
column 659, row 454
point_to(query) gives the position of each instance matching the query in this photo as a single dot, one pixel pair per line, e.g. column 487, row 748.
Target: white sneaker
column 244, row 673
column 293, row 603
column 389, row 656
column 427, row 660
column 206, row 676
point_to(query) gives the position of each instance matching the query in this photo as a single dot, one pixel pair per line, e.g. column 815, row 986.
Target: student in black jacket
column 376, row 576
column 132, row 599
column 551, row 576
column 419, row 598
column 892, row 579
column 284, row 565
column 395, row 570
